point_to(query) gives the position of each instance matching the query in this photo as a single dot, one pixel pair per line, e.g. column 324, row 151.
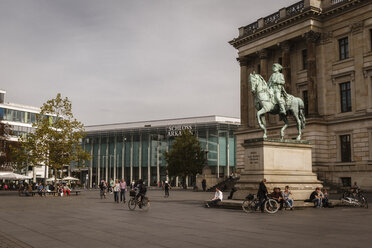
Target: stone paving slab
column 178, row 221
column 6, row 241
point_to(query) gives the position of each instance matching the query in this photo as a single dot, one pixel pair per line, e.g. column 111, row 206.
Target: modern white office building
column 135, row 150
column 20, row 119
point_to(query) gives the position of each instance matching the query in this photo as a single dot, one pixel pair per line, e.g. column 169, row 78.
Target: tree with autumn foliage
column 56, row 139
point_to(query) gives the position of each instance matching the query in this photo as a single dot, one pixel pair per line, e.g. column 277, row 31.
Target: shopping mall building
column 135, row 150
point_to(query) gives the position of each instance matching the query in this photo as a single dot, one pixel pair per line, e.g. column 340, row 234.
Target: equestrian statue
column 272, row 98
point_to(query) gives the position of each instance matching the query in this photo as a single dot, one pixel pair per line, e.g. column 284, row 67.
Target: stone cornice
column 310, row 12
column 313, row 121
column 282, row 24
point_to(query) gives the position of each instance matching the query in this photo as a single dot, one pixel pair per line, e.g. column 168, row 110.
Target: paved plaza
column 179, row 221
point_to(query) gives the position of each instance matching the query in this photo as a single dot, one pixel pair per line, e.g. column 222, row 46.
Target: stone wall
column 318, row 31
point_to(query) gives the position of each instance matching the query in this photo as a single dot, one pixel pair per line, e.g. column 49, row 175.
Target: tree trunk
column 55, row 179
column 184, row 182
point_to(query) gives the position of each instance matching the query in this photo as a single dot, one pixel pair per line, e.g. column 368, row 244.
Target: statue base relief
column 281, row 162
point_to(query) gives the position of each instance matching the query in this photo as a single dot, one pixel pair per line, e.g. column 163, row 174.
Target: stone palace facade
column 325, row 47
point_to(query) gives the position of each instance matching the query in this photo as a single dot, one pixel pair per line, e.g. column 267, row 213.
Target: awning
column 13, row 176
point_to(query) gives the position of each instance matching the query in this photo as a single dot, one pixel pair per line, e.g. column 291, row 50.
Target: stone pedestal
column 281, row 162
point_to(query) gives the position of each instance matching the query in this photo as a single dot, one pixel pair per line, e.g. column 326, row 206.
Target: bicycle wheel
column 132, row 204
column 248, row 206
column 364, row 202
column 145, row 204
column 271, row 206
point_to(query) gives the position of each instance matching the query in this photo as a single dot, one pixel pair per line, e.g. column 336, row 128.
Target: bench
column 54, row 193
column 35, row 192
column 77, row 192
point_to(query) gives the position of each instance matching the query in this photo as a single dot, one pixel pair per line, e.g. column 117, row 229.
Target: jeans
column 166, row 192
column 116, row 196
column 214, row 202
column 122, row 195
column 289, row 203
column 317, row 202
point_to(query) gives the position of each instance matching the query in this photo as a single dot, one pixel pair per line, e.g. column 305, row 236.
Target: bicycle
column 252, row 203
column 143, row 204
column 356, row 199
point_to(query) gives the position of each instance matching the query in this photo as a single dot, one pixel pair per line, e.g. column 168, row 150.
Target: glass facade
column 13, row 115
column 139, row 152
column 18, row 116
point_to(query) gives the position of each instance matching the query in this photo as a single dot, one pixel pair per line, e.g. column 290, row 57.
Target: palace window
column 345, row 96
column 345, row 148
column 304, row 59
column 306, row 102
column 343, row 45
column 346, row 181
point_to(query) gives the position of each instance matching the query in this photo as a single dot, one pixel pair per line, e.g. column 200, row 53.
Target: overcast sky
column 126, row 60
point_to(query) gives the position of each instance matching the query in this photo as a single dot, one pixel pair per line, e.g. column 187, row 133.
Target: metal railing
column 292, row 10
column 295, row 8
column 333, row 2
column 273, row 18
column 250, row 28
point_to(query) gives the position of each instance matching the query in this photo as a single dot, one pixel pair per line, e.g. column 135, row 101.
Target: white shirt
column 218, row 195
column 116, row 187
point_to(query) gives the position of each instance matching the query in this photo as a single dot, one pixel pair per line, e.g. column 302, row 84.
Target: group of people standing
column 120, row 187
column 114, row 187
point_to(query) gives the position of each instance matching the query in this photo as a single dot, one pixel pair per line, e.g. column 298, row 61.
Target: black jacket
column 262, row 190
column 312, row 196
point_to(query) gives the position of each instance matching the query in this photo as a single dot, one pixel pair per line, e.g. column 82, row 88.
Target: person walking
column 103, row 189
column 123, row 188
column 116, row 189
column 166, row 189
column 261, row 194
column 204, row 185
column 112, row 183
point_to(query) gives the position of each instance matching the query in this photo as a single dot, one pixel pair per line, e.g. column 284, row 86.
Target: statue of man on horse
column 276, row 83
column 272, row 98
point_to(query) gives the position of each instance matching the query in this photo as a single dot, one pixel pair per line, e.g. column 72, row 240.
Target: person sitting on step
column 218, row 196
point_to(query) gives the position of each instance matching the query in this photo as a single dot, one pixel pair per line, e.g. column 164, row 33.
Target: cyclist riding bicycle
column 141, row 187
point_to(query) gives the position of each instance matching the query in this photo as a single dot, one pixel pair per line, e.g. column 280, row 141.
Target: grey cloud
column 126, row 60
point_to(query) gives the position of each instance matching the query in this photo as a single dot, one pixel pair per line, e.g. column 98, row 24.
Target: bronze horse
column 265, row 103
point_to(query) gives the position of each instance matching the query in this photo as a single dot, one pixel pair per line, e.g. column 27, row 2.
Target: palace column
column 286, row 63
column 244, row 102
column 263, row 55
column 311, row 38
